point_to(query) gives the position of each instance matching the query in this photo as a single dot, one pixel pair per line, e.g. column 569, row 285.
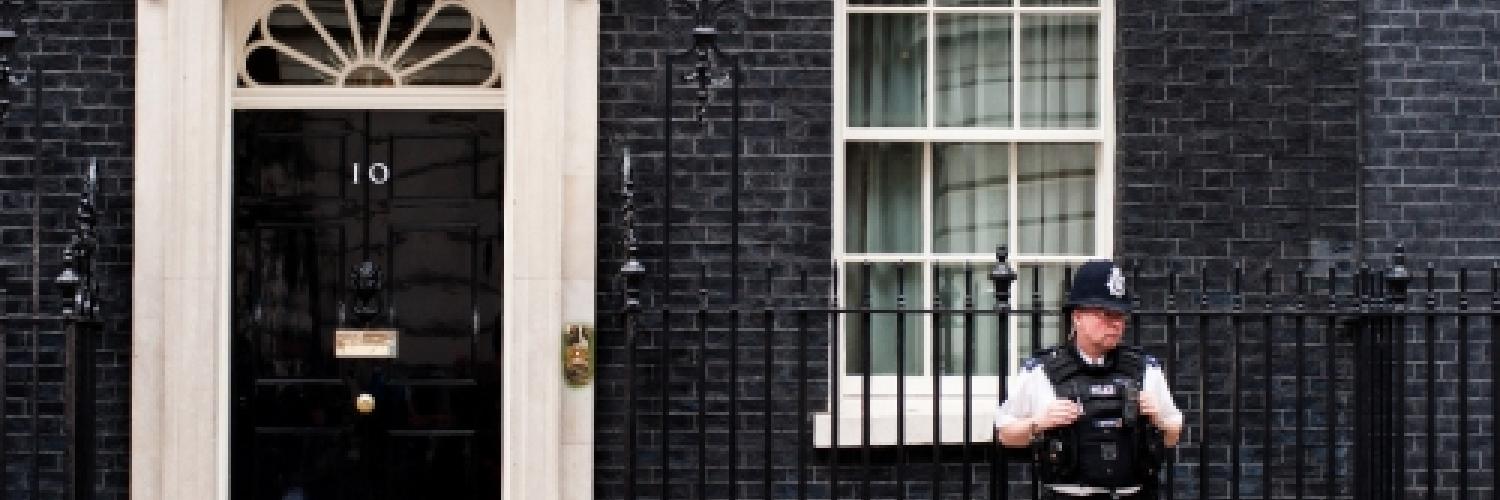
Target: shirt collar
column 1086, row 359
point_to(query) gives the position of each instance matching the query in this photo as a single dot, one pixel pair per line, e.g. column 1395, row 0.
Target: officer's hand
column 1148, row 408
column 1060, row 413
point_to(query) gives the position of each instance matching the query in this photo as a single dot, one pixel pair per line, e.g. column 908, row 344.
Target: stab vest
column 1110, row 445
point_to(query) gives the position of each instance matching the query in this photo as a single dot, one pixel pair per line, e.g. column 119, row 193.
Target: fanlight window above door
column 370, row 43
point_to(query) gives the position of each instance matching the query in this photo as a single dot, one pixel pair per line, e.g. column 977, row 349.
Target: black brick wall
column 1238, row 145
column 785, row 199
column 1432, row 183
column 81, row 55
column 1237, row 130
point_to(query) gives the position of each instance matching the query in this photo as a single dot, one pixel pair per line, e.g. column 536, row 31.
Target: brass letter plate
column 370, row 343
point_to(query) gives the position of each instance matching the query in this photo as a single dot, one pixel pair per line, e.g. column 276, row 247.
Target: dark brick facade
column 1432, row 182
column 1238, row 145
column 1277, row 132
column 786, row 207
column 78, row 59
column 1237, row 131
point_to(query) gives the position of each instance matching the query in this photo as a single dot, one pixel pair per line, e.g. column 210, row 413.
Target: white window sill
column 919, row 428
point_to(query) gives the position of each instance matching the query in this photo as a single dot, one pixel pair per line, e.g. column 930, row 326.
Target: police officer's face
column 1098, row 330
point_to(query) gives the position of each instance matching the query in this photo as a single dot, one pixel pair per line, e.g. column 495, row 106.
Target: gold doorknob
column 364, row 403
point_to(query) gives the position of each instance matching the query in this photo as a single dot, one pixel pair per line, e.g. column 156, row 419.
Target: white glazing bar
column 929, row 101
column 962, row 134
column 1015, row 75
column 1012, row 238
column 1104, row 208
column 928, row 229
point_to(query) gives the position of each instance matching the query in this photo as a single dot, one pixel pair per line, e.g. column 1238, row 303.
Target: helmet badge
column 1116, row 282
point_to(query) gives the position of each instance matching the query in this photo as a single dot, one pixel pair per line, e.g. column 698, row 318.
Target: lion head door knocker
column 365, row 282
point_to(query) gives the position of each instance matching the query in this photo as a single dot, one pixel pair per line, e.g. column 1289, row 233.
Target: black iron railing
column 1306, row 385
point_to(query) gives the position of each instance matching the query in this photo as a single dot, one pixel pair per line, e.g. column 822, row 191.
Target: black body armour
column 1111, row 445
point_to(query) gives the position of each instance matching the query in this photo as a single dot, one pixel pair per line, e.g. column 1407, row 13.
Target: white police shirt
column 1029, row 392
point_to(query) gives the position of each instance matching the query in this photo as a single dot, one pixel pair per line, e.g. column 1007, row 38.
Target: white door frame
column 181, row 315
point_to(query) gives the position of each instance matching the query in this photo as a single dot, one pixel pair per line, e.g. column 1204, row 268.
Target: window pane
column 973, row 70
column 883, row 198
column 1041, row 288
column 1059, row 3
column 1059, row 71
column 887, row 61
column 969, row 197
column 954, row 288
column 884, row 284
column 1055, row 198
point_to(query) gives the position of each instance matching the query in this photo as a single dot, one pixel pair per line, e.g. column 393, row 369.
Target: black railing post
column 1462, row 382
column 1331, row 388
column 834, row 320
column 631, row 271
column 1396, row 282
column 803, row 441
column 1267, row 327
column 937, row 393
column 1002, row 276
column 968, row 381
column 1428, row 327
column 767, row 377
column 1364, row 404
column 1236, row 433
column 80, row 312
column 702, row 321
column 1300, row 379
column 1494, row 320
column 1203, row 424
column 901, row 383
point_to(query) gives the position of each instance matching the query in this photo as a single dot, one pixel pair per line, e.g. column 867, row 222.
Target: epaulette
column 1039, row 358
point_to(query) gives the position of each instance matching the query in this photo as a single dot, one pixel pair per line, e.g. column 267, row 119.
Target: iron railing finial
column 80, row 291
column 1399, row 277
column 632, row 269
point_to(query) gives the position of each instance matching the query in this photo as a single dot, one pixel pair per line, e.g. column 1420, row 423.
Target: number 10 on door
column 377, row 173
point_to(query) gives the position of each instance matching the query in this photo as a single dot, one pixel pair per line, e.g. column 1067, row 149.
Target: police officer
column 1096, row 414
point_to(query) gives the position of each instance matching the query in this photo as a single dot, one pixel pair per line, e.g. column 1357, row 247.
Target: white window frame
column 918, row 390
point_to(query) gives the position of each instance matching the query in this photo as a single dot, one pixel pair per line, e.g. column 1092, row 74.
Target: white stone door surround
column 180, row 314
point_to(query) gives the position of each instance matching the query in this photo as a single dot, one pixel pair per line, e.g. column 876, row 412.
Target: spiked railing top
column 79, row 288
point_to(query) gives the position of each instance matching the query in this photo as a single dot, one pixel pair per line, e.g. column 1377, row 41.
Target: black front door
column 366, row 289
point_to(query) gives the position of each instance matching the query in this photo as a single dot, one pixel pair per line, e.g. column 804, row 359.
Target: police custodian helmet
column 1099, row 283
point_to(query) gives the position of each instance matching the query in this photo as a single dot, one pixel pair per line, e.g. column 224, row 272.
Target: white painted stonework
column 184, row 97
